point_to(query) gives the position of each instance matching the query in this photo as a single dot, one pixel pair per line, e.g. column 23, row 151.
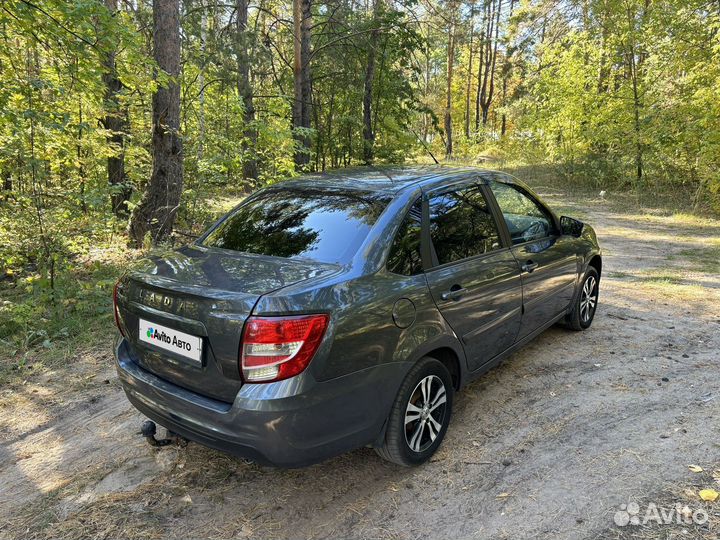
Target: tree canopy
column 621, row 94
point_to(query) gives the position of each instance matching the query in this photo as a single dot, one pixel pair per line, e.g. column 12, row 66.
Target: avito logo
column 160, row 336
column 152, row 333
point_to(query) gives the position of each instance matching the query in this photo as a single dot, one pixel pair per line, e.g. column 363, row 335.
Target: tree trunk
column 368, row 133
column 80, row 154
column 244, row 87
column 330, row 145
column 448, row 97
column 301, row 78
column 506, row 72
column 481, row 61
column 470, row 71
column 635, row 62
column 305, row 75
column 426, row 87
column 503, row 119
column 488, row 86
column 201, row 83
column 636, row 118
column 7, row 186
column 116, row 123
column 604, row 68
column 155, row 214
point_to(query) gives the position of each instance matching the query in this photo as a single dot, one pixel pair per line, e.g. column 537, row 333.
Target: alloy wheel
column 425, row 413
column 588, row 299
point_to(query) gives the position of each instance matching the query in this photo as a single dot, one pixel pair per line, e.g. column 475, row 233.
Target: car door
column 547, row 259
column 474, row 278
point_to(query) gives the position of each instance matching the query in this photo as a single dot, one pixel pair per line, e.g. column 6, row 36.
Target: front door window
column 526, row 219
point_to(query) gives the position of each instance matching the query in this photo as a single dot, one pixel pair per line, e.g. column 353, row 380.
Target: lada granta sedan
column 345, row 309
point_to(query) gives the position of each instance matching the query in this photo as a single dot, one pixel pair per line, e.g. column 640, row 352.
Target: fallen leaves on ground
column 708, row 495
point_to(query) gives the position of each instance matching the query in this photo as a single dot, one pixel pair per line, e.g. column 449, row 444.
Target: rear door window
column 405, row 255
column 462, row 225
column 324, row 225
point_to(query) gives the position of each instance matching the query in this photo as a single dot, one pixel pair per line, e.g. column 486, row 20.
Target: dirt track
column 548, row 445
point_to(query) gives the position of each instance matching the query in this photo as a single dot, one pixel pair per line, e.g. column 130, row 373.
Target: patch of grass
column 685, row 226
column 696, row 222
column 697, row 297
column 667, row 276
column 674, row 203
column 704, row 259
column 42, row 326
column 663, row 279
column 671, row 288
column 668, row 283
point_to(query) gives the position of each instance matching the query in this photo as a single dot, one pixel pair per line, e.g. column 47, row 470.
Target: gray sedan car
column 345, row 309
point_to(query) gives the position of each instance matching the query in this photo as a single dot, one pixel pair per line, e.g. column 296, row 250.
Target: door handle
column 453, row 294
column 529, row 267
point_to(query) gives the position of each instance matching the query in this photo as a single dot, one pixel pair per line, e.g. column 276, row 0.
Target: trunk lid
column 203, row 292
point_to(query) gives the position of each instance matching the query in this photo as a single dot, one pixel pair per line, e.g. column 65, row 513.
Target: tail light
column 276, row 348
column 115, row 309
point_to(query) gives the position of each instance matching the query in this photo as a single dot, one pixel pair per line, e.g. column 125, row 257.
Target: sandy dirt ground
column 548, row 445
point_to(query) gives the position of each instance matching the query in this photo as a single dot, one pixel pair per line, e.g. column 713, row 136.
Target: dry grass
column 130, row 515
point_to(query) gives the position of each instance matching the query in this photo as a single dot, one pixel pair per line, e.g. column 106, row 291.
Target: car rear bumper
column 291, row 423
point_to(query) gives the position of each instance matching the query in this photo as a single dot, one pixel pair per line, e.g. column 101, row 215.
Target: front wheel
column 420, row 415
column 585, row 305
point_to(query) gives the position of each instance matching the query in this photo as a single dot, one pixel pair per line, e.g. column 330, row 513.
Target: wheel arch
column 446, row 350
column 596, row 262
column 449, row 358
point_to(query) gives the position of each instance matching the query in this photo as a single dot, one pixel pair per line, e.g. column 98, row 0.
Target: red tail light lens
column 276, row 348
column 115, row 308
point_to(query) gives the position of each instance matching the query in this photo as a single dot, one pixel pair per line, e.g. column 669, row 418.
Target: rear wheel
column 420, row 415
column 583, row 311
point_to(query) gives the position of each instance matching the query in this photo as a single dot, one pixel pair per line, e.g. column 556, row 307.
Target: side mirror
column 570, row 226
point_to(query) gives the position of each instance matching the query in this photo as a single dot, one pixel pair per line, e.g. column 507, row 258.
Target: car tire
column 586, row 302
column 420, row 414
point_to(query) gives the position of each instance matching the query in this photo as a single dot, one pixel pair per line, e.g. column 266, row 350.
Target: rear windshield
column 324, row 225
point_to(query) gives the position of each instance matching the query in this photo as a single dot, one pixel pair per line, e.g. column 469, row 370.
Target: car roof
column 391, row 179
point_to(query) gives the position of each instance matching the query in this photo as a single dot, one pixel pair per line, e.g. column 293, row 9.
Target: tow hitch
column 149, row 429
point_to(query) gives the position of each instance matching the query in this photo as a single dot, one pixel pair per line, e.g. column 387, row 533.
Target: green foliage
column 77, row 310
column 636, row 81
column 615, row 95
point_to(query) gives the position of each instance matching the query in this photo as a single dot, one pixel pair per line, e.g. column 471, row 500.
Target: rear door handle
column 529, row 266
column 453, row 294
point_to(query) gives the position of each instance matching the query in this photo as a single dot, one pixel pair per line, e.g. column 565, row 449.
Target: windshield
column 325, row 225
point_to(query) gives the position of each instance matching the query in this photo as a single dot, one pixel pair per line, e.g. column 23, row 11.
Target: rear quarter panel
column 363, row 332
column 365, row 355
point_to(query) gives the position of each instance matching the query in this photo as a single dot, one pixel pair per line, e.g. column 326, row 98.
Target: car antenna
column 427, row 148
